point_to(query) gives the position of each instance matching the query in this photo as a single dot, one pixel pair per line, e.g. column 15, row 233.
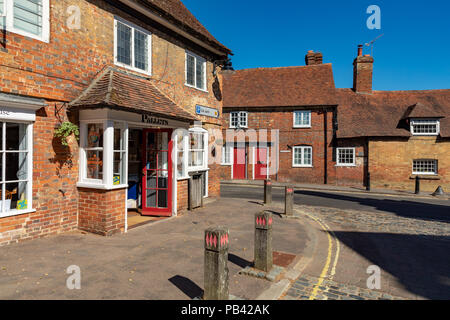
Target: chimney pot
column 360, row 50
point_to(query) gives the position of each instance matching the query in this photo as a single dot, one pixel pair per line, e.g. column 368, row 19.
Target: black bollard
column 289, row 201
column 368, row 182
column 267, row 191
column 417, row 191
column 263, row 241
column 216, row 268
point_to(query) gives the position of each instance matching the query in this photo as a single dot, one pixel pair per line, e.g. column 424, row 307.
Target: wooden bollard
column 263, row 241
column 216, row 268
column 267, row 191
column 289, row 201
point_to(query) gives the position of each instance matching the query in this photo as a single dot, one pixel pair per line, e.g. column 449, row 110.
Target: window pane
column 196, row 158
column 162, row 198
column 94, row 164
column 297, row 156
column 151, row 179
column 16, row 166
column 15, row 196
column 119, row 168
column 123, row 43
column 95, row 135
column 140, row 50
column 234, row 119
column 243, row 119
column 180, row 166
column 16, row 136
column 307, row 156
column 190, row 69
column 28, row 16
column 200, row 73
column 425, row 166
column 151, row 198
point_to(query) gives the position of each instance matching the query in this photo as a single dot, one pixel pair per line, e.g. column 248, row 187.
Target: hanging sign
column 206, row 111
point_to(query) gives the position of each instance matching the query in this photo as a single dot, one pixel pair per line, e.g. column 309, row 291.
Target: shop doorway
column 157, row 172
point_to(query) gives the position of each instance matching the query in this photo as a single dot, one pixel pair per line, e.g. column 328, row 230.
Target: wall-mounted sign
column 154, row 120
column 206, row 111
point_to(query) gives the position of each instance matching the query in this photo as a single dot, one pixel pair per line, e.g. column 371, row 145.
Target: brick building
column 299, row 102
column 393, row 135
column 335, row 136
column 127, row 73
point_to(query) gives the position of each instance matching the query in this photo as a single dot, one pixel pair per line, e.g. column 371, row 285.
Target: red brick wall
column 58, row 71
column 182, row 196
column 289, row 137
column 55, row 172
column 102, row 211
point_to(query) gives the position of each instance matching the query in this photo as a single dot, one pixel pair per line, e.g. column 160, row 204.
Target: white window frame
column 240, row 114
column 203, row 167
column 133, row 28
column 426, row 173
column 425, row 121
column 196, row 57
column 340, row 164
column 302, row 165
column 8, row 18
column 29, row 180
column 302, row 115
column 230, row 162
column 108, row 156
column 184, row 162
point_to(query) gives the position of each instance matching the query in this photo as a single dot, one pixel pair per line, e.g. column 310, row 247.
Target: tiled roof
column 120, row 90
column 176, row 12
column 280, row 87
column 383, row 113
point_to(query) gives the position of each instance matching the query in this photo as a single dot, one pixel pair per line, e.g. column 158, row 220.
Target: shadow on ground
column 421, row 263
column 403, row 208
column 187, row 286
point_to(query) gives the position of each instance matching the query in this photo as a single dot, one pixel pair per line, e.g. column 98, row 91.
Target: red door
column 157, row 173
column 239, row 163
column 261, row 163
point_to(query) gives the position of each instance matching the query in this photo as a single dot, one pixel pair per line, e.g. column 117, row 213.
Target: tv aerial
column 371, row 43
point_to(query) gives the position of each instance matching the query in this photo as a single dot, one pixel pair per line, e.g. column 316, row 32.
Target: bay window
column 103, row 154
column 26, row 17
column 15, row 168
column 132, row 46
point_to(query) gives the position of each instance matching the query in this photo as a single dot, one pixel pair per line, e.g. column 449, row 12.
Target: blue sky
column 413, row 53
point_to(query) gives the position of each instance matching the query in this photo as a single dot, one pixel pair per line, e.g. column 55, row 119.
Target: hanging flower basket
column 66, row 132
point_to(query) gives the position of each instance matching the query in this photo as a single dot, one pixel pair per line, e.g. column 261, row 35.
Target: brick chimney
column 362, row 72
column 313, row 58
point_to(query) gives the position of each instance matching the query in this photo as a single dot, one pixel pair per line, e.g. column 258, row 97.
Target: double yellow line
column 325, row 269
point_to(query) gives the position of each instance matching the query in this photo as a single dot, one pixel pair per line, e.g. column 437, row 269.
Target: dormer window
column 424, row 127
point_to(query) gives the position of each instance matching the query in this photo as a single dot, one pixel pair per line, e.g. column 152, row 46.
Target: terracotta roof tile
column 383, row 113
column 176, row 12
column 280, row 87
column 118, row 89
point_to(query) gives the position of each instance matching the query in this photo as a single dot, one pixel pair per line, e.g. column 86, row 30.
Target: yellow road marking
column 327, row 264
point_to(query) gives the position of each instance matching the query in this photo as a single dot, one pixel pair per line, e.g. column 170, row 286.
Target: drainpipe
column 325, row 126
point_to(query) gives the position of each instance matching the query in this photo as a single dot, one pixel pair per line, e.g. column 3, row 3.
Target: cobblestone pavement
column 411, row 252
column 330, row 290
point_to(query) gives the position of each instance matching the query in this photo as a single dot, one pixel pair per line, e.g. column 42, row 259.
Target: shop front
column 135, row 155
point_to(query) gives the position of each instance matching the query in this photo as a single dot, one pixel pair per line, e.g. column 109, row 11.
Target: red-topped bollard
column 289, row 201
column 267, row 191
column 216, row 258
column 263, row 241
